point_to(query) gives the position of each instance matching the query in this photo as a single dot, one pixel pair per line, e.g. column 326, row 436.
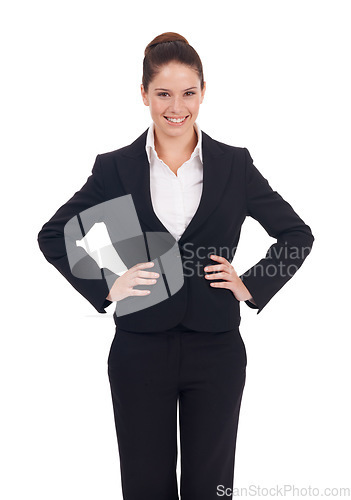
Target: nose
column 176, row 106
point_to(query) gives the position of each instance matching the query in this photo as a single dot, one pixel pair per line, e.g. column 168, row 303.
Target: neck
column 175, row 146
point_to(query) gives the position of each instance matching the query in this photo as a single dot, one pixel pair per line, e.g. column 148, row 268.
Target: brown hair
column 165, row 48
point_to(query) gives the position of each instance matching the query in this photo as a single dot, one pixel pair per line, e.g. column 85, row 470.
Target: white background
column 278, row 83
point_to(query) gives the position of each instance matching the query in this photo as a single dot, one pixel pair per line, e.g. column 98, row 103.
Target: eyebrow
column 167, row 90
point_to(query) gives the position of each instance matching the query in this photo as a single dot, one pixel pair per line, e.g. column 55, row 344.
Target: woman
column 174, row 202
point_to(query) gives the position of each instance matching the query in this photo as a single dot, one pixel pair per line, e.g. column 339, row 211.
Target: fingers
column 147, row 274
column 138, row 292
column 217, row 276
column 143, row 278
column 219, row 267
column 123, row 286
column 219, row 259
column 221, row 284
column 224, row 266
column 214, row 268
column 223, row 263
column 143, row 265
column 143, row 281
column 139, row 273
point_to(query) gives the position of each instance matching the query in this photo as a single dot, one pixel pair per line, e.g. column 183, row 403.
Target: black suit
column 154, row 362
column 232, row 189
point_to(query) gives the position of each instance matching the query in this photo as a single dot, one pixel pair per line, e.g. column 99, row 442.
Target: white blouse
column 175, row 198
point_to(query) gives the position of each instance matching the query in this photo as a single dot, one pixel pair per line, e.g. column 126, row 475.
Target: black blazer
column 233, row 188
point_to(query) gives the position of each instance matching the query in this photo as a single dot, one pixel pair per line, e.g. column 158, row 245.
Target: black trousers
column 149, row 373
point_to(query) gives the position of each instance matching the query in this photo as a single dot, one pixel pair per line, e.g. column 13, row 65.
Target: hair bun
column 169, row 36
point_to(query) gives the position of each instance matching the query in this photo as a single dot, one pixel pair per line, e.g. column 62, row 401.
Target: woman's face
column 174, row 93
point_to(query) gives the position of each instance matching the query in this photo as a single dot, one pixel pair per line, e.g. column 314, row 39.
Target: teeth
column 178, row 120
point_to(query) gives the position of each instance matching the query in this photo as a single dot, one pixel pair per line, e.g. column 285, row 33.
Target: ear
column 203, row 93
column 144, row 95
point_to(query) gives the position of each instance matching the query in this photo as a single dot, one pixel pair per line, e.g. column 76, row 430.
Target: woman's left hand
column 228, row 273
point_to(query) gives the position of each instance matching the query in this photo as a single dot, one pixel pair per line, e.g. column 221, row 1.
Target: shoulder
column 223, row 147
column 133, row 150
column 115, row 154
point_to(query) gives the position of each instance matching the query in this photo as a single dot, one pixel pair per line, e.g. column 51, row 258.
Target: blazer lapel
column 134, row 173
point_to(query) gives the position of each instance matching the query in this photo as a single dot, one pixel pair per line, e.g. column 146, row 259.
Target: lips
column 176, row 117
column 184, row 118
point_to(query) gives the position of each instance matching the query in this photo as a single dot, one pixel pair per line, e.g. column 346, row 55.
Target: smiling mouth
column 176, row 120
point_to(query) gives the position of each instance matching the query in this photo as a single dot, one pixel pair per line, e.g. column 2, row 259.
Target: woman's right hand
column 123, row 286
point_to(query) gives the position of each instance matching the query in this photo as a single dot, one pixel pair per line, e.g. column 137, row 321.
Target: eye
column 161, row 94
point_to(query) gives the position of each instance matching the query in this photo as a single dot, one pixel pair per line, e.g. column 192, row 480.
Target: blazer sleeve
column 294, row 239
column 51, row 241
